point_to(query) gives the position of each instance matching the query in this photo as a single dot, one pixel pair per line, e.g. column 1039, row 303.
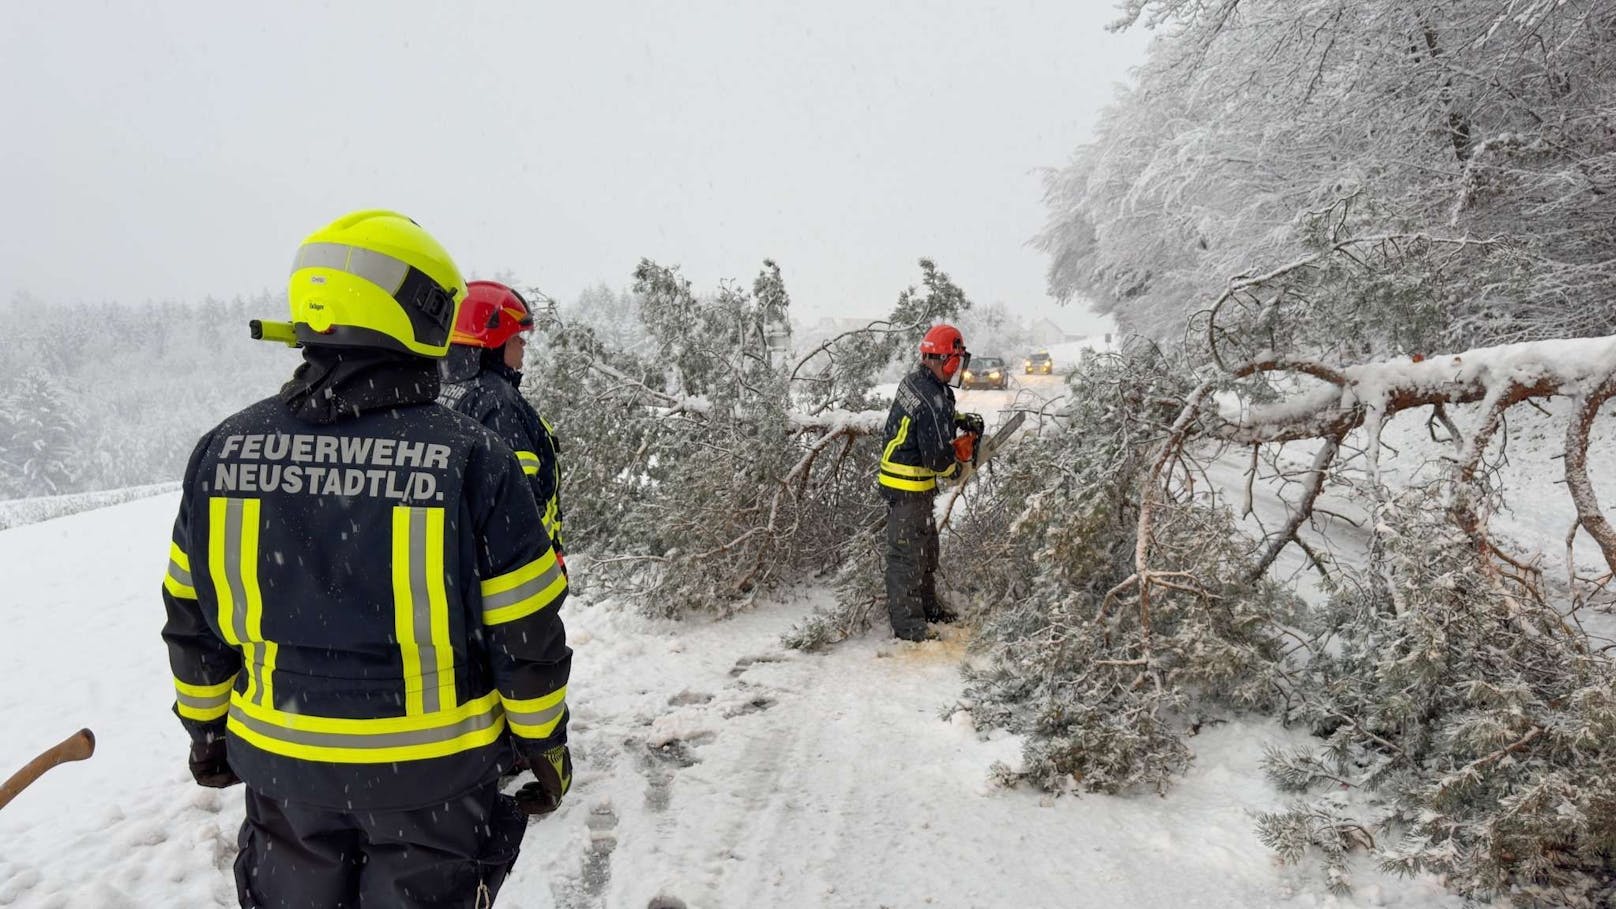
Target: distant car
column 986, row 372
column 1040, row 363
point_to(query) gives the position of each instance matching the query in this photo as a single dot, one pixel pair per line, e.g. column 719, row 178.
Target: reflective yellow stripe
column 205, row 691
column 908, row 470
column 263, row 669
column 552, row 508
column 555, row 493
column 438, row 604
column 218, row 542
column 174, row 587
column 421, row 610
column 522, row 592
column 529, row 462
column 536, row 718
column 557, row 757
column 202, row 702
column 201, row 714
column 358, row 728
column 552, row 526
column 233, row 563
column 404, row 610
column 380, row 740
column 897, row 439
column 178, row 580
column 906, row 477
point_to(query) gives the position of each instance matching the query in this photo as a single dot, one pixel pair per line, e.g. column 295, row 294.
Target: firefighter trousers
column 451, row 854
column 911, row 565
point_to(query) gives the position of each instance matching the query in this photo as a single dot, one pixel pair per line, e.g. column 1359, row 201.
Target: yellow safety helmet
column 373, row 278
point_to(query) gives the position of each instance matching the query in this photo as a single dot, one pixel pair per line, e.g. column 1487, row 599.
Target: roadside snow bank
column 17, row 512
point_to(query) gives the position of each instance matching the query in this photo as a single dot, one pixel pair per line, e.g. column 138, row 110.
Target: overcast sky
column 176, row 150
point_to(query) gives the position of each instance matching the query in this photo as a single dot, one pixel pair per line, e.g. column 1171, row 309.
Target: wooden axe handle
column 75, row 747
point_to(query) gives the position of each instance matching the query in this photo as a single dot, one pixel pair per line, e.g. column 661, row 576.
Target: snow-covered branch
column 1367, row 395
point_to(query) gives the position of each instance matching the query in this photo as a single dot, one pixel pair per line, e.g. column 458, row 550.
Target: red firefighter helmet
column 944, row 342
column 491, row 315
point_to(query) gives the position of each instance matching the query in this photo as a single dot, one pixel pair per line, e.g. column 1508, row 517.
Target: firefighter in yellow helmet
column 363, row 605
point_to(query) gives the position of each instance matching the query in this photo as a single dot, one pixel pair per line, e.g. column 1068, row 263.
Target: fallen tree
column 1454, row 688
column 715, row 464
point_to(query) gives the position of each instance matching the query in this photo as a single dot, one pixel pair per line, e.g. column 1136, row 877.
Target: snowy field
column 715, row 769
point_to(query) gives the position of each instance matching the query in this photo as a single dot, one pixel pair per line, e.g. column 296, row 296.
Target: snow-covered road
column 715, row 769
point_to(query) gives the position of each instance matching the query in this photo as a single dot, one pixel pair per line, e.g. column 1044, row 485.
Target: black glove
column 552, row 775
column 209, row 765
column 971, row 423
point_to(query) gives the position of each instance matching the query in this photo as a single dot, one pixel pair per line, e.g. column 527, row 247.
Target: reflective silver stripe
column 380, row 269
column 322, row 255
column 232, row 568
column 522, row 591
column 421, row 610
column 180, row 575
column 233, row 517
column 201, row 703
column 535, row 718
column 433, row 736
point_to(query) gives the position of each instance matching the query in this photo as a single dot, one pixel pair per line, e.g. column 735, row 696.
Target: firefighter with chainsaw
column 482, row 379
column 926, row 439
column 363, row 604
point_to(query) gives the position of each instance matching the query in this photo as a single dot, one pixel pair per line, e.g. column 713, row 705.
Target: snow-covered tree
column 40, row 449
column 1265, row 131
column 1457, row 695
column 1109, row 633
column 120, row 393
column 1475, row 715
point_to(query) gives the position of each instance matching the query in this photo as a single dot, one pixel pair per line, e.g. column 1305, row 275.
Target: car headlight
column 993, row 375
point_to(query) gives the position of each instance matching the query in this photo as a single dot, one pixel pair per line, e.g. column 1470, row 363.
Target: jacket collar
column 465, row 362
column 340, row 383
column 926, row 375
column 496, row 365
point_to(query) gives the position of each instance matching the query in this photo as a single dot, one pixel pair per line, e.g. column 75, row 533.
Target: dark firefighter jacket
column 360, row 596
column 478, row 384
column 919, row 445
